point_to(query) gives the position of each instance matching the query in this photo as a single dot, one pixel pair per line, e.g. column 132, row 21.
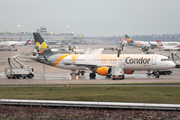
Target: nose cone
column 172, row 64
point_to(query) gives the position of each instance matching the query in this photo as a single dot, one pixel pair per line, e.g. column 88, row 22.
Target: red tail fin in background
column 121, row 39
column 159, row 43
column 27, row 42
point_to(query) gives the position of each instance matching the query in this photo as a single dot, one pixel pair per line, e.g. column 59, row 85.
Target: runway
column 65, row 78
column 50, row 75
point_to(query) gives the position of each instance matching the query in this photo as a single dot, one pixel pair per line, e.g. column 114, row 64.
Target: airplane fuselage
column 129, row 61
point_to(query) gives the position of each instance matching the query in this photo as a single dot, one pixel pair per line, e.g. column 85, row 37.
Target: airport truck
column 118, row 69
column 17, row 69
column 17, row 73
column 117, row 73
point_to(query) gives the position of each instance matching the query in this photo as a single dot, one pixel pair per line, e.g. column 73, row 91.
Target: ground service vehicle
column 17, row 69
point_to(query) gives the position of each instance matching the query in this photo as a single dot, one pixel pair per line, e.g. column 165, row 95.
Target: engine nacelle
column 128, row 71
column 104, row 71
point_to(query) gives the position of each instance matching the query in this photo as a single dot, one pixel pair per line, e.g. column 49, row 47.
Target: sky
column 92, row 17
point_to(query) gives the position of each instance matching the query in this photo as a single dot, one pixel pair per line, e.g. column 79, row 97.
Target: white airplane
column 74, row 50
column 100, row 63
column 168, row 43
column 130, row 42
column 141, row 44
column 167, row 46
column 61, row 50
column 14, row 43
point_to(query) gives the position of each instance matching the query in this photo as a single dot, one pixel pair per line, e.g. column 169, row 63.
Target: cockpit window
column 165, row 60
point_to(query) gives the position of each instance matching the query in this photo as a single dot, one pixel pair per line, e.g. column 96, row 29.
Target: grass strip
column 167, row 95
column 90, row 84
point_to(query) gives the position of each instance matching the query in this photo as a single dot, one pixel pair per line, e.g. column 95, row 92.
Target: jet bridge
column 176, row 58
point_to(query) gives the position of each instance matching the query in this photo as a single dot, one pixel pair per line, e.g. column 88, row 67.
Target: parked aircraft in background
column 14, row 43
column 131, row 42
column 100, row 63
column 167, row 46
column 167, row 43
column 141, row 44
column 74, row 50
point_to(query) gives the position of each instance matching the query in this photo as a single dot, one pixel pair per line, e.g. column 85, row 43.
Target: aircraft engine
column 104, row 71
column 128, row 71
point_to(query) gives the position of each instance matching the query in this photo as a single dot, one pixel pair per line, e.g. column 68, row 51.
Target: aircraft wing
column 12, row 45
column 91, row 65
column 153, row 45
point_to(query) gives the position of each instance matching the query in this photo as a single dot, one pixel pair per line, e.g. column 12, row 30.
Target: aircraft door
column 154, row 60
column 87, row 59
column 123, row 60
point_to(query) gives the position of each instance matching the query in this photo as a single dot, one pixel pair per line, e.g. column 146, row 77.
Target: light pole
column 18, row 27
column 165, row 38
column 68, row 29
column 170, row 38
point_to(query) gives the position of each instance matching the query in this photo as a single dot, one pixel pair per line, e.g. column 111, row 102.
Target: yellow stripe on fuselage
column 138, row 44
column 74, row 57
column 59, row 60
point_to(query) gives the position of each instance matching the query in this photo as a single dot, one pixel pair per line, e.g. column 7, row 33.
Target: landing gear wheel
column 82, row 72
column 157, row 76
column 77, row 74
column 30, row 76
column 92, row 75
column 18, row 76
column 168, row 73
column 14, row 77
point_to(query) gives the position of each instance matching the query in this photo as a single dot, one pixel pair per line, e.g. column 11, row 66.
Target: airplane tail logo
column 128, row 39
column 41, row 44
column 41, row 47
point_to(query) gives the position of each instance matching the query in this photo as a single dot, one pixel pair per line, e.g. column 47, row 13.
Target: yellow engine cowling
column 128, row 71
column 104, row 71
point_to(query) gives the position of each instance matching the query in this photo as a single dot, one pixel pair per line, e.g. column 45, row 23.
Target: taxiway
column 50, row 75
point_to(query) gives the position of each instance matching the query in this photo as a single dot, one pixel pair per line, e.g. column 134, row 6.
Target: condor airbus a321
column 100, row 63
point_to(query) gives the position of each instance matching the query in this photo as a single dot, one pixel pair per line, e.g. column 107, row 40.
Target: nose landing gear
column 154, row 73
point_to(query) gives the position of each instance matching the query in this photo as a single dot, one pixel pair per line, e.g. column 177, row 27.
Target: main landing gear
column 92, row 75
column 80, row 72
column 155, row 73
